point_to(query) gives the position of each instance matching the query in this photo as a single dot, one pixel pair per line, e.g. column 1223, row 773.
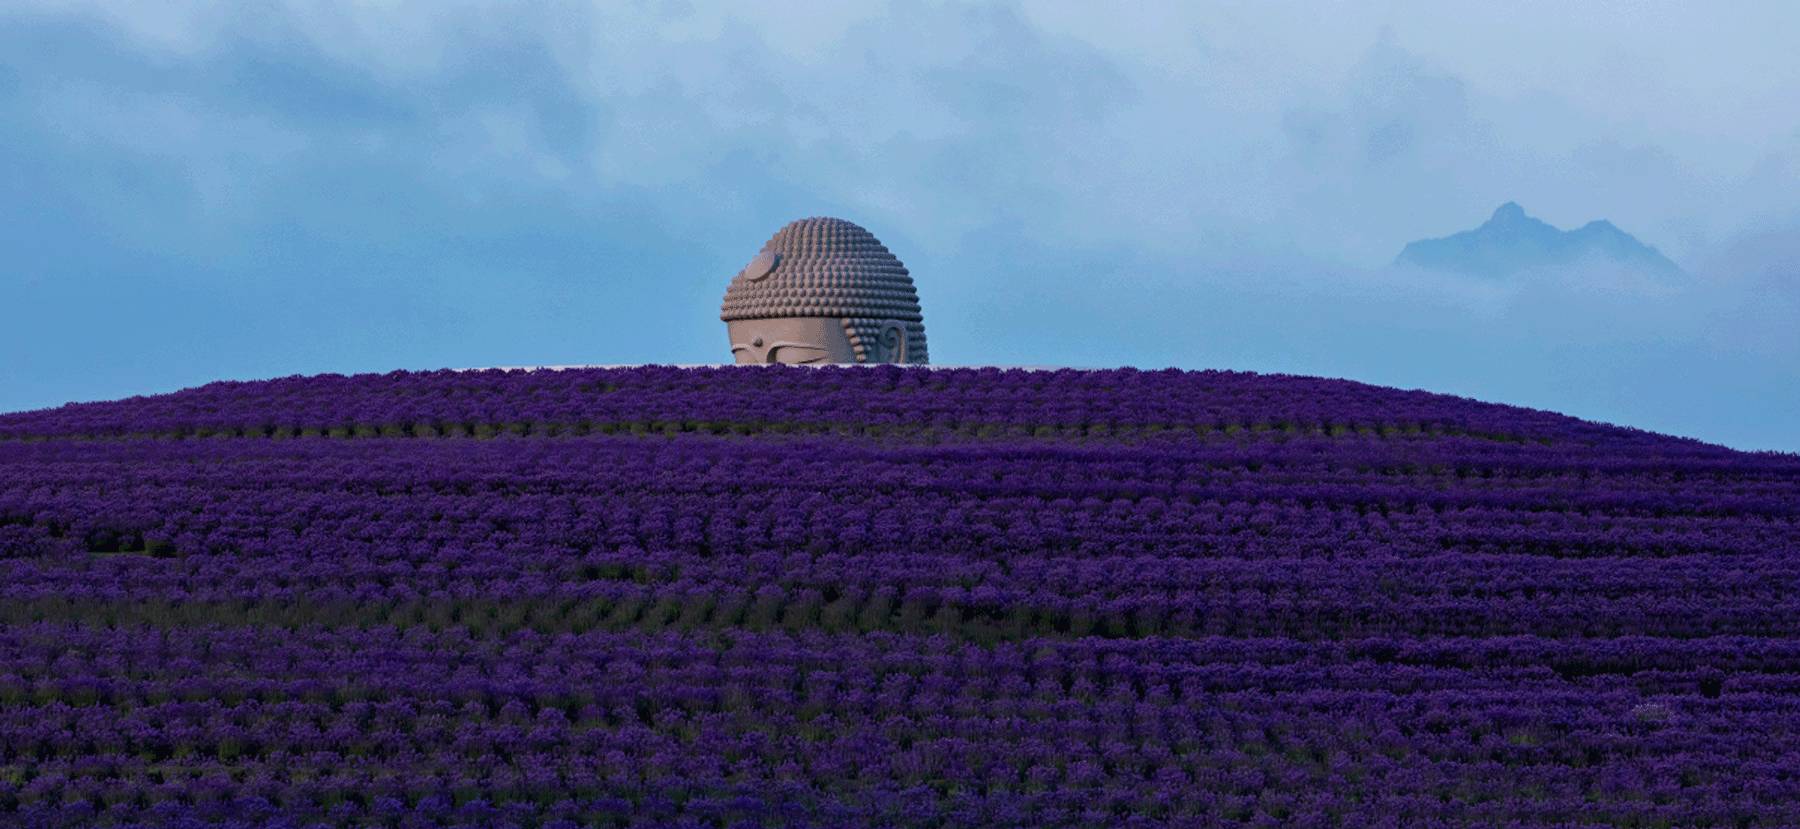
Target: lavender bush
column 899, row 597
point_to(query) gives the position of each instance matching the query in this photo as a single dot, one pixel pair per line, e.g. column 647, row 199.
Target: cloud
column 1396, row 138
column 1751, row 297
column 1214, row 125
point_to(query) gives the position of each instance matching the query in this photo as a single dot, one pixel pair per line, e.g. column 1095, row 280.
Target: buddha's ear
column 893, row 341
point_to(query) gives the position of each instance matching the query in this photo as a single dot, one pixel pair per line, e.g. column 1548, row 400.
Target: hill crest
column 924, row 403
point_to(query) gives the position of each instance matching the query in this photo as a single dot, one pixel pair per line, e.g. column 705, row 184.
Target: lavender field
column 883, row 596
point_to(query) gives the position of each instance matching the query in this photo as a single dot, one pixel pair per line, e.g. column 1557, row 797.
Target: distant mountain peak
column 1512, row 240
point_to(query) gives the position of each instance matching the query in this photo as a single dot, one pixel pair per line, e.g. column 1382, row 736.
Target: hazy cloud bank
column 216, row 192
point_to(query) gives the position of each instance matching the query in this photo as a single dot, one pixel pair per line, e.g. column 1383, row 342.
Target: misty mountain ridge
column 1510, row 242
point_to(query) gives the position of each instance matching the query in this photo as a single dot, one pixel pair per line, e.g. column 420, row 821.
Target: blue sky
column 191, row 193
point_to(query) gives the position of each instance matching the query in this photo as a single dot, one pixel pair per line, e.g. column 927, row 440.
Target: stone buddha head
column 824, row 290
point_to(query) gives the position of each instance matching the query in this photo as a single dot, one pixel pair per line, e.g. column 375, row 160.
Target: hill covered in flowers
column 881, row 596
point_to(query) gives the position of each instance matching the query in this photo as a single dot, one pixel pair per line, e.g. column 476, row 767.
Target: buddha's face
column 790, row 340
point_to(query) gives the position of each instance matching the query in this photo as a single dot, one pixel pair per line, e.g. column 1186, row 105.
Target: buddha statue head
column 824, row 290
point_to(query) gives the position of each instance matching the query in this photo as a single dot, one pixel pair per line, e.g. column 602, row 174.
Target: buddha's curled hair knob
column 761, row 265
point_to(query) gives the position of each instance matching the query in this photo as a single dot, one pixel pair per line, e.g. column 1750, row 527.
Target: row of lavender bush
column 987, row 402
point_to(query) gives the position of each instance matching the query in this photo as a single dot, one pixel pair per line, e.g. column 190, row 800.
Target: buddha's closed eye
column 797, row 353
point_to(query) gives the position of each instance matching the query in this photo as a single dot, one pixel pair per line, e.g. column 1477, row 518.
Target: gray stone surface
column 824, row 290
